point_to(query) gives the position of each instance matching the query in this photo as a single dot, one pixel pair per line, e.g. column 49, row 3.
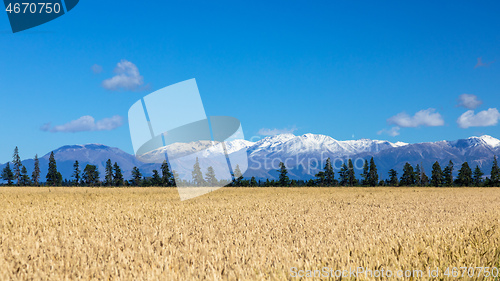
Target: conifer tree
column 210, row 178
column 16, row 165
column 76, row 173
column 329, row 173
column 108, row 178
column 53, row 177
column 495, row 173
column 7, row 174
column 35, row 176
column 372, row 174
column 320, row 178
column 253, row 182
column 424, row 180
column 418, row 176
column 90, row 175
column 448, row 174
column 408, row 177
column 197, row 174
column 156, row 179
column 136, row 177
column 117, row 175
column 478, row 176
column 25, row 179
column 437, row 175
column 364, row 175
column 351, row 177
column 167, row 176
column 465, row 175
column 283, row 177
column 393, row 178
column 238, row 176
column 343, row 174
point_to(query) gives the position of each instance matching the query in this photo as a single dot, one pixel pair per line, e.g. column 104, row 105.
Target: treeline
column 369, row 177
column 90, row 176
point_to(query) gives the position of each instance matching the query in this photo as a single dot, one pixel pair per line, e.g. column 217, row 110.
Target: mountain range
column 303, row 155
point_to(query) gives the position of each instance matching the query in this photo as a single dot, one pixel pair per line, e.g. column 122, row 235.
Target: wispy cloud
column 394, row 131
column 483, row 118
column 469, row 101
column 96, row 69
column 427, row 117
column 272, row 132
column 480, row 63
column 127, row 77
column 84, row 124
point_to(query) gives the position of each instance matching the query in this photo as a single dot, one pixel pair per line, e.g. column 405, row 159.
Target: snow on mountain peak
column 489, row 140
column 399, row 144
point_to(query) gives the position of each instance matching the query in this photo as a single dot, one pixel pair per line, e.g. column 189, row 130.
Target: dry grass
column 253, row 233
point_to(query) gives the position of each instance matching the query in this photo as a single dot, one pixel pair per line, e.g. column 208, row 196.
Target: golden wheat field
column 243, row 233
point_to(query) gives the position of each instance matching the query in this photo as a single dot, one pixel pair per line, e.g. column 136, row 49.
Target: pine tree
column 197, row 174
column 76, row 173
column 53, row 176
column 7, row 174
column 90, row 175
column 283, row 177
column 448, row 174
column 393, row 177
column 237, row 172
column 156, row 179
column 25, row 179
column 35, row 176
column 364, row 175
column 465, row 175
column 167, row 176
column 320, row 178
column 408, row 177
column 238, row 176
column 478, row 176
column 424, row 180
column 437, row 175
column 351, row 177
column 16, row 165
column 343, row 174
column 495, row 173
column 418, row 176
column 329, row 173
column 253, row 182
column 373, row 174
column 136, row 177
column 108, row 178
column 117, row 175
column 210, row 177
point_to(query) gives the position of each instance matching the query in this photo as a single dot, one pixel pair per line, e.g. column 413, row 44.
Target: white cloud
column 484, row 118
column 96, row 69
column 127, row 77
column 469, row 101
column 426, row 117
column 394, row 131
column 272, row 132
column 86, row 123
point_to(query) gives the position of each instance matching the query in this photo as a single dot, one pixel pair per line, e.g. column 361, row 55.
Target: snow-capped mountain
column 303, row 155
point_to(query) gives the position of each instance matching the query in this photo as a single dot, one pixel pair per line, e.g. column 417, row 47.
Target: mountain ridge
column 304, row 155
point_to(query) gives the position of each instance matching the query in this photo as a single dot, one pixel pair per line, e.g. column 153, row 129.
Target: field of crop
column 242, row 233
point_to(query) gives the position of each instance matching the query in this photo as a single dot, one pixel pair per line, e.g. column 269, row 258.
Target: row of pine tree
column 90, row 176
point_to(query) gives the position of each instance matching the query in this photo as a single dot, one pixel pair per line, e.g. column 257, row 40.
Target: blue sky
column 342, row 68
